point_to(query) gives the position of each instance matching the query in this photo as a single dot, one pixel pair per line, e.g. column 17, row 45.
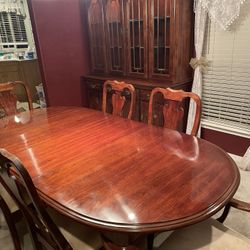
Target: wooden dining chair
column 10, row 222
column 41, row 228
column 120, row 92
column 173, row 110
column 209, row 234
column 8, row 98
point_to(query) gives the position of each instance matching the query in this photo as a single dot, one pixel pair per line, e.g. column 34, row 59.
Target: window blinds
column 18, row 27
column 226, row 86
column 5, row 31
column 12, row 31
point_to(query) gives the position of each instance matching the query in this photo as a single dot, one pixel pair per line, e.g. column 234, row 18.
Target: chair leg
column 150, row 241
column 224, row 215
column 7, row 215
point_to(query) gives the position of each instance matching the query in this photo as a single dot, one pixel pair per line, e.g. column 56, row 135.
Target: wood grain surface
column 117, row 174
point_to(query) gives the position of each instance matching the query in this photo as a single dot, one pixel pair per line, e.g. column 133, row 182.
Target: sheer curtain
column 223, row 12
column 197, row 63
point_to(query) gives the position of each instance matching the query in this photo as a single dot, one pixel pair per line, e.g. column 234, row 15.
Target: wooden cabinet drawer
column 94, row 100
column 8, row 66
column 94, row 93
column 93, row 85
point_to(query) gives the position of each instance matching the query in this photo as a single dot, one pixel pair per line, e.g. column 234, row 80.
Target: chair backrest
column 119, row 92
column 173, row 110
column 17, row 181
column 8, row 98
column 10, row 222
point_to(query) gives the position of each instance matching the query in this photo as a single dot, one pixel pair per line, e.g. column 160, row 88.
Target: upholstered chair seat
column 207, row 235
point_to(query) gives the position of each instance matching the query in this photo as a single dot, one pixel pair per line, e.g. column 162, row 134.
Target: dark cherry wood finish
column 245, row 206
column 97, row 36
column 93, row 91
column 142, row 39
column 87, row 143
column 119, row 91
column 136, row 26
column 170, row 34
column 106, row 171
column 238, row 204
column 148, row 43
column 173, row 110
column 17, row 181
column 115, row 32
column 8, row 98
column 10, row 222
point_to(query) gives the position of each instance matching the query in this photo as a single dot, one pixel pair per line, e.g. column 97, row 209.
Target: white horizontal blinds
column 12, row 31
column 226, row 87
column 18, row 27
column 5, row 30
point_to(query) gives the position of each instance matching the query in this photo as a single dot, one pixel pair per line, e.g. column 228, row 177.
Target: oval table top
column 117, row 174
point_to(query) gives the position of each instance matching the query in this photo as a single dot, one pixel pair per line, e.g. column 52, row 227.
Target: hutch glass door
column 136, row 21
column 97, row 36
column 115, row 44
column 159, row 56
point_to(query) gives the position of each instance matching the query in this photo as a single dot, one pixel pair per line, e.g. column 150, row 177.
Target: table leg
column 121, row 241
column 150, row 241
column 112, row 246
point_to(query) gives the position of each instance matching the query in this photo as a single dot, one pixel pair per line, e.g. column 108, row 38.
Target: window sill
column 16, row 60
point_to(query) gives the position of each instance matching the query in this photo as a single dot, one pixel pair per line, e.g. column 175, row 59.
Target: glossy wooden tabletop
column 114, row 173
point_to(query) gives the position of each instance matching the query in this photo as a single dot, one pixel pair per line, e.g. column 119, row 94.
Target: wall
column 61, row 42
column 230, row 143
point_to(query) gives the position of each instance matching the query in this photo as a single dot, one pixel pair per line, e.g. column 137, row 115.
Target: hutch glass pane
column 161, row 31
column 114, row 8
column 97, row 39
column 136, row 31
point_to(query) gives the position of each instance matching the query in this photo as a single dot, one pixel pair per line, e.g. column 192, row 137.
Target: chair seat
column 207, row 235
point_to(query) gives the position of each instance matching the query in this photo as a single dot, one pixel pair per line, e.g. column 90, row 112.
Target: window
column 13, row 33
column 226, row 87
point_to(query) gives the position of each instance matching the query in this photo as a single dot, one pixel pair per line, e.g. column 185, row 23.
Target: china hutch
column 147, row 43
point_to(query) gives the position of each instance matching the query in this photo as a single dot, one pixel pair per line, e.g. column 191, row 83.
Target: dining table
column 119, row 175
